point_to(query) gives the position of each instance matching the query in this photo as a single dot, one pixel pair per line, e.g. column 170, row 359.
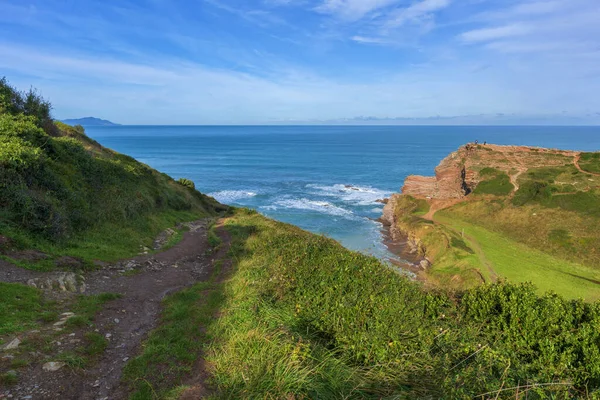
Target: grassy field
column 520, row 263
column 564, row 234
column 457, row 264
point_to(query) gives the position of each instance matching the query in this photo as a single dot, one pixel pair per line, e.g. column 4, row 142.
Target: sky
column 307, row 61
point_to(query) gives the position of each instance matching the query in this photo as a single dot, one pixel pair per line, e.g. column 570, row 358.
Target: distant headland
column 89, row 121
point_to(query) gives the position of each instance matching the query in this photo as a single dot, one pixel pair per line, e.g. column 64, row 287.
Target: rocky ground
column 458, row 174
column 142, row 282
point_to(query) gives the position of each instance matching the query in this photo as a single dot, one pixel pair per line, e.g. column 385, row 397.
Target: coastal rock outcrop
column 456, row 177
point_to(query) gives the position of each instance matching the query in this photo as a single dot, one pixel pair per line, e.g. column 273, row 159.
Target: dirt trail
column 125, row 321
column 576, row 159
column 436, row 205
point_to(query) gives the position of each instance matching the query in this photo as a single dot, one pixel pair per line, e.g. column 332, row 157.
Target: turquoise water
column 300, row 174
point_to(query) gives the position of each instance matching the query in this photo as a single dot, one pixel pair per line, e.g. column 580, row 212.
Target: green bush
column 488, row 171
column 590, row 162
column 187, row 183
column 498, row 185
column 581, row 202
column 56, row 186
column 532, row 191
column 429, row 344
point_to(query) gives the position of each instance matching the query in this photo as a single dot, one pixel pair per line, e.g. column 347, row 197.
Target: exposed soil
column 143, row 282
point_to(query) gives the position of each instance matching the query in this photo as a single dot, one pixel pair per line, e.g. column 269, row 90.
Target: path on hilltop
column 125, row 321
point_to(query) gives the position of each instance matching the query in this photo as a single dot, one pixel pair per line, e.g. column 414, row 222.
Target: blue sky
column 278, row 61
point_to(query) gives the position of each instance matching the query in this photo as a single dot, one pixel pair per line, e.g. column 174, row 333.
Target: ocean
column 325, row 179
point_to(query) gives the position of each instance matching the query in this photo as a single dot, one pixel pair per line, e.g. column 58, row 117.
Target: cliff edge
column 538, row 196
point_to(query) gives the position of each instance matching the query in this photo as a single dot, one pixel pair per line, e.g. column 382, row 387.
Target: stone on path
column 53, row 366
column 13, row 344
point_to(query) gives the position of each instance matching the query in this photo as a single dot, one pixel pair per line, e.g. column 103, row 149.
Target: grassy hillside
column 533, row 215
column 63, row 193
column 305, row 318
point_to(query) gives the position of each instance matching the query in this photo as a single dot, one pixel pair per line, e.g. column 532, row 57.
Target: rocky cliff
column 456, row 177
column 458, row 174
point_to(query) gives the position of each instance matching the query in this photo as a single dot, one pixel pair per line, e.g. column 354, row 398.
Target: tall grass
column 306, row 318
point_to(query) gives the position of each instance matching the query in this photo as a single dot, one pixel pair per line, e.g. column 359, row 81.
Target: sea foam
column 357, row 195
column 229, row 196
column 310, row 205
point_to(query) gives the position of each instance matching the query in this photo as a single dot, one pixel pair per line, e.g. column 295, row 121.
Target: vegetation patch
column 21, row 307
column 86, row 307
column 187, row 183
column 496, row 183
column 63, row 193
column 305, row 318
column 172, row 349
column 590, row 162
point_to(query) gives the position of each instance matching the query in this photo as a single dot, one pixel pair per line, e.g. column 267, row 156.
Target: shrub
column 429, row 343
column 532, row 191
column 498, row 185
column 590, row 162
column 187, row 183
column 55, row 183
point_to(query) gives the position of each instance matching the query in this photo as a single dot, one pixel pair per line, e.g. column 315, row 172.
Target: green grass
column 21, row 308
column 305, row 318
column 64, row 194
column 520, row 263
column 86, row 307
column 560, row 177
column 536, row 223
column 590, row 162
column 498, row 184
column 73, row 360
column 171, row 350
column 9, row 378
column 457, row 265
column 96, row 343
column 214, row 240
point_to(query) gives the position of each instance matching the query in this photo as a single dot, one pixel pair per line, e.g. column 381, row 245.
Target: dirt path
column 125, row 322
column 576, row 159
column 436, row 205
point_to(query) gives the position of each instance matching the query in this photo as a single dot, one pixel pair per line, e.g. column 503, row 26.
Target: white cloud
column 369, row 40
column 500, row 32
column 537, row 7
column 352, row 10
column 416, row 12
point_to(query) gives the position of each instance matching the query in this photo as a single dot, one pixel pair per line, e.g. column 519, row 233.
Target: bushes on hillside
column 497, row 183
column 479, row 344
column 590, row 162
column 543, row 193
column 54, row 185
column 28, row 103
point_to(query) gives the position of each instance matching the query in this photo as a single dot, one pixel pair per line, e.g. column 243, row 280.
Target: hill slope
column 63, row 193
column 255, row 308
column 542, row 205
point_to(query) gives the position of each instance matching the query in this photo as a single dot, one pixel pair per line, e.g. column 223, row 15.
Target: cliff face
column 455, row 178
column 459, row 173
column 448, row 182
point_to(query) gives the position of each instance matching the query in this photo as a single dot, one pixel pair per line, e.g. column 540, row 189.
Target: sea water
column 325, row 179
